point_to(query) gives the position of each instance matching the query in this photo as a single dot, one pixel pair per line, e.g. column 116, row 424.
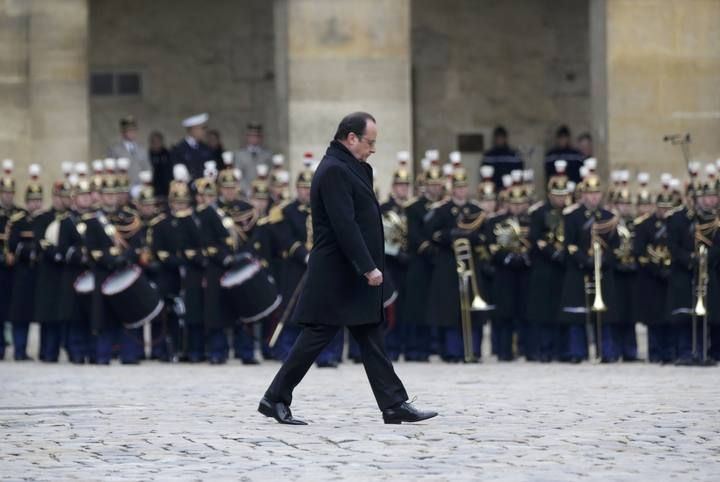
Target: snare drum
column 84, row 286
column 252, row 292
column 131, row 297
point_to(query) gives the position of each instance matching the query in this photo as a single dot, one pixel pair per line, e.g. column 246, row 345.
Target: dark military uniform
column 219, row 244
column 20, row 254
column 421, row 252
column 6, row 272
column 653, row 255
column 547, row 255
column 510, row 256
column 579, row 223
column 48, row 279
column 193, row 157
column 623, row 343
column 445, row 223
column 192, row 254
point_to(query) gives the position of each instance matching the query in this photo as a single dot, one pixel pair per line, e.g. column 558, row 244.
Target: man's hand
column 374, row 277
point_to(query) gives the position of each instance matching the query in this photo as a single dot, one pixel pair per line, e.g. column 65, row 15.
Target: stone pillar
column 340, row 56
column 58, row 84
column 655, row 66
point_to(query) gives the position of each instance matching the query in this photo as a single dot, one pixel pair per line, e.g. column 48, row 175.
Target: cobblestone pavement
column 498, row 422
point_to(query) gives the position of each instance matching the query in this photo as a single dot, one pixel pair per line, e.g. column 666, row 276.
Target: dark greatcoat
column 191, row 252
column 547, row 256
column 653, row 277
column 193, row 157
column 21, row 245
column 681, row 241
column 349, row 242
column 49, row 268
column 421, row 252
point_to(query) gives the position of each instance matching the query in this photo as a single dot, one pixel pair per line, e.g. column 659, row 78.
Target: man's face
column 401, row 191
column 364, row 146
column 33, row 205
column 518, row 209
column 82, row 201
column 488, row 205
column 708, row 202
column 210, row 198
column 176, row 205
column 130, row 134
column 500, row 141
column 303, row 194
column 198, row 132
column 259, row 204
column 563, row 141
column 625, row 209
column 460, row 192
column 592, row 199
column 228, row 193
column 122, row 198
column 557, row 201
column 156, row 142
column 585, row 146
column 434, row 190
column 147, row 210
column 253, row 139
column 660, row 211
column 7, row 198
column 57, row 202
column 644, row 208
column 109, row 200
column 67, row 202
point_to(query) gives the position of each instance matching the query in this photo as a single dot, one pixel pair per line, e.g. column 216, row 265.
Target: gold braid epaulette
column 127, row 231
column 605, row 227
column 474, row 224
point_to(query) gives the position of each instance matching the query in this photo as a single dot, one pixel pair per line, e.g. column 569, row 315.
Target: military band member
column 46, row 229
column 453, row 218
column 421, row 252
column 625, row 277
column 72, row 310
column 7, row 210
column 193, row 261
column 584, row 224
column 509, row 247
column 653, row 256
column 548, row 257
column 396, row 255
column 21, row 253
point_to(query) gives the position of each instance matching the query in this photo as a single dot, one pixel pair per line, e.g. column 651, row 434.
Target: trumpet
column 598, row 303
column 467, row 281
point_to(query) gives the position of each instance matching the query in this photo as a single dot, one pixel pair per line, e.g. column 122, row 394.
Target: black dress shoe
column 250, row 361
column 217, row 360
column 279, row 411
column 327, row 364
column 405, row 412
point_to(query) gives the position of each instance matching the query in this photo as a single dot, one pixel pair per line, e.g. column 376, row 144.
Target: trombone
column 598, row 305
column 699, row 310
column 468, row 287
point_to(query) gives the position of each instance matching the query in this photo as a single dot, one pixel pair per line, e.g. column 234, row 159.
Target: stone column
column 340, row 56
column 655, row 68
column 58, row 84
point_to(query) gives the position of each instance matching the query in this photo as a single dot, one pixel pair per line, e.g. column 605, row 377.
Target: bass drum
column 84, row 286
column 131, row 298
column 251, row 291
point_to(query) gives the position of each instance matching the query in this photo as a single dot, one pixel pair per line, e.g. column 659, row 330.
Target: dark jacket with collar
column 348, row 242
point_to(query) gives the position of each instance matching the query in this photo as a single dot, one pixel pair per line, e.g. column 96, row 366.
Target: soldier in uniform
column 192, row 260
column 453, row 218
column 509, row 247
column 46, row 230
column 625, row 279
column 584, row 224
column 653, row 256
column 253, row 155
column 220, row 245
column 421, row 252
column 396, row 255
column 547, row 256
column 20, row 253
column 7, row 210
column 192, row 151
column 73, row 310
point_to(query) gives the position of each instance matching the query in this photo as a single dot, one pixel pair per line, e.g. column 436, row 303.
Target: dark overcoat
column 349, row 242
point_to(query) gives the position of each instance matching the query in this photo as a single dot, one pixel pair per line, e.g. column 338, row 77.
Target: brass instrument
column 511, row 236
column 598, row 303
column 395, row 229
column 468, row 287
column 702, row 279
column 659, row 254
column 624, row 252
column 556, row 229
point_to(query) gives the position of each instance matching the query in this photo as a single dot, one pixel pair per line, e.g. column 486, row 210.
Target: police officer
column 455, row 217
column 547, row 256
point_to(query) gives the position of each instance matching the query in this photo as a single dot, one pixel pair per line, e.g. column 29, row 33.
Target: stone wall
column 521, row 63
column 193, row 57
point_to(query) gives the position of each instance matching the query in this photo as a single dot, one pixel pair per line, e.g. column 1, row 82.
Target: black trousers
column 385, row 384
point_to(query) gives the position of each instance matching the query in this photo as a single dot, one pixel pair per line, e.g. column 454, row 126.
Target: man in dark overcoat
column 344, row 280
